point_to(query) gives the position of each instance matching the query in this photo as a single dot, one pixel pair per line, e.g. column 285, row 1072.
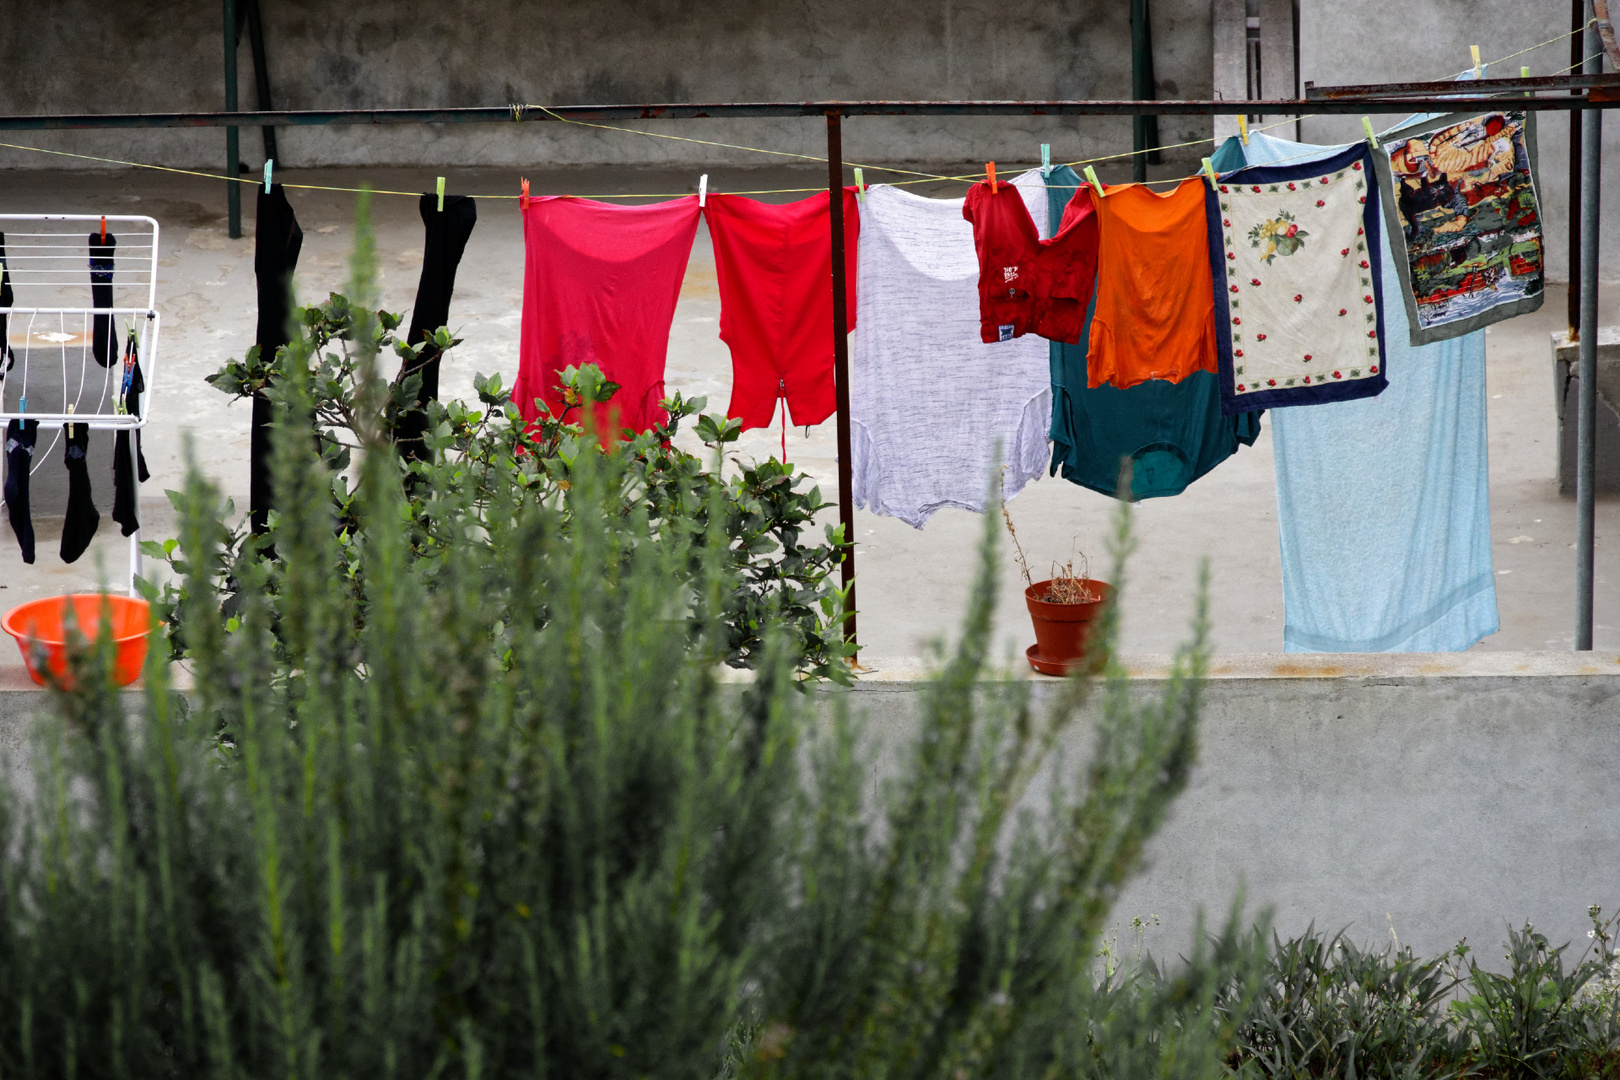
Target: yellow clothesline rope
column 922, row 177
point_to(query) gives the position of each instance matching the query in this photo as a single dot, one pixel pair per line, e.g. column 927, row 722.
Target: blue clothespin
column 269, row 164
column 1046, row 160
column 441, row 194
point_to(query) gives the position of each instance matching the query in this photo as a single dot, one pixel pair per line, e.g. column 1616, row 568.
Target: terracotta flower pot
column 1062, row 631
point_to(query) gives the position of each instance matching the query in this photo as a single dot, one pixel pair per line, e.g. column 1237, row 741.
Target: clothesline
column 921, row 177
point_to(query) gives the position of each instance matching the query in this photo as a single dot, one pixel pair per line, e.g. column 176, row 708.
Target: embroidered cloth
column 1294, row 250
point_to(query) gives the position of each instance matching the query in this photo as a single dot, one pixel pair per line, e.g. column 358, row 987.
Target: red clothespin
column 990, row 174
column 103, row 228
column 523, row 199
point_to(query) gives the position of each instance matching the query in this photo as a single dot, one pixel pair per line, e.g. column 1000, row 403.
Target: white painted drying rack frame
column 58, row 261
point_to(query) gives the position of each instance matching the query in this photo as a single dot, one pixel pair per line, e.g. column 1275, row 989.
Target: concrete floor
column 911, row 583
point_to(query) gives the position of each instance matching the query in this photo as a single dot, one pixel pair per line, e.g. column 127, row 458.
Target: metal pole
column 233, row 156
column 1143, row 128
column 261, row 77
column 1586, row 456
column 1577, row 54
column 846, row 482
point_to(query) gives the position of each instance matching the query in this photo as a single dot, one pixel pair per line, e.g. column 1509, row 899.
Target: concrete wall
column 1448, row 795
column 414, row 53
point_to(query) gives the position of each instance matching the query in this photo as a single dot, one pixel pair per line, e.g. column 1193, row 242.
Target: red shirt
column 600, row 283
column 774, row 265
column 1026, row 284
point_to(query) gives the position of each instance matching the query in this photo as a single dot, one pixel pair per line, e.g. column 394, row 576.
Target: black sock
column 277, row 239
column 447, row 233
column 83, row 519
column 124, row 510
column 20, row 438
column 7, row 299
column 103, row 345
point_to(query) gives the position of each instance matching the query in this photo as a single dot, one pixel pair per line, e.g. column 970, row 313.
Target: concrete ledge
column 886, row 670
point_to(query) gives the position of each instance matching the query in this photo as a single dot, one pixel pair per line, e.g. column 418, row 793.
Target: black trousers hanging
column 21, row 435
column 83, row 519
column 447, row 233
column 125, row 511
column 277, row 241
column 104, row 343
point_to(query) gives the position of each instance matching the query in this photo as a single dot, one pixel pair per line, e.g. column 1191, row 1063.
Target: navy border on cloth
column 1371, row 226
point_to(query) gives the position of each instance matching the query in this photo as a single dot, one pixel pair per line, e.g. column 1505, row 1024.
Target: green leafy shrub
column 481, row 465
column 492, row 811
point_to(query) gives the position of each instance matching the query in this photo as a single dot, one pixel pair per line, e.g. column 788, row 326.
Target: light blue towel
column 1383, row 504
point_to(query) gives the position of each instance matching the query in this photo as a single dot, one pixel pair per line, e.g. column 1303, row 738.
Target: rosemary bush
column 495, row 812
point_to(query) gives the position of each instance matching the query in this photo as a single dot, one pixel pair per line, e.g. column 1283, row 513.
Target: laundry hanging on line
column 1171, row 432
column 447, row 232
column 931, row 405
column 1296, row 247
column 276, row 244
column 132, row 385
column 1466, row 225
column 21, row 438
column 1383, row 503
column 773, row 264
column 82, row 519
column 600, row 284
column 1028, row 284
column 103, row 259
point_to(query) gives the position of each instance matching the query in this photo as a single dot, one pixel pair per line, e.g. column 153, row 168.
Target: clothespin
column 1243, row 128
column 703, row 190
column 103, row 228
column 1046, row 159
column 523, row 199
column 440, row 189
column 860, row 186
column 1479, row 71
column 1524, row 73
column 1091, row 178
column 990, row 174
column 1209, row 171
column 1366, row 125
column 269, row 163
column 70, row 426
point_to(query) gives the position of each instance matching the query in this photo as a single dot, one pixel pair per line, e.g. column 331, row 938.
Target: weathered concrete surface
column 911, row 583
column 1446, row 796
column 386, row 53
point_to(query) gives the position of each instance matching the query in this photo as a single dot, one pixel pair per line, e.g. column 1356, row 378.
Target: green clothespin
column 1209, row 171
column 1046, row 160
column 269, row 164
column 1524, row 73
column 1366, row 125
column 440, row 189
column 1091, row 178
column 860, row 186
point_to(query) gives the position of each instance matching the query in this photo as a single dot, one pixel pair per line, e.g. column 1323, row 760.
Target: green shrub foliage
column 495, row 812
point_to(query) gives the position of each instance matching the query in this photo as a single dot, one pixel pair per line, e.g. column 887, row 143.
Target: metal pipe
column 261, row 76
column 233, row 156
column 846, row 482
column 1577, row 57
column 1586, row 451
column 508, row 113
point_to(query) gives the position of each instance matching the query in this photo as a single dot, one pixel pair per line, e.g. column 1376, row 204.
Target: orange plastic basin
column 45, row 622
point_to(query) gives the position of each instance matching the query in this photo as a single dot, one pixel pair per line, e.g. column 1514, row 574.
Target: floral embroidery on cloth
column 1294, row 251
column 1465, row 225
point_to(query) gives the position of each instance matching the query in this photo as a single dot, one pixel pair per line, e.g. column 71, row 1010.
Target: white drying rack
column 51, row 327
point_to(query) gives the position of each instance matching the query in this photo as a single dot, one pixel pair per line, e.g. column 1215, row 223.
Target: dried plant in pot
column 1064, row 608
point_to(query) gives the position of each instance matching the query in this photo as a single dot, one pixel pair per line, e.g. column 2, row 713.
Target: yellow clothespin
column 70, row 426
column 990, row 174
column 1091, row 178
column 860, row 186
column 1524, row 73
column 1479, row 71
column 1046, row 160
column 440, row 189
column 703, row 191
column 269, row 164
column 1366, row 125
column 1209, row 171
column 1243, row 128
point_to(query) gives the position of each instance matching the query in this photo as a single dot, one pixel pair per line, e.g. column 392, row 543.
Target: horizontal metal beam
column 675, row 111
column 1451, row 87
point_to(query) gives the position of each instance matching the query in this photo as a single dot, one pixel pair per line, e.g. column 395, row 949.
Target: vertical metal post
column 1577, row 53
column 233, row 156
column 1586, row 454
column 1145, row 128
column 840, row 328
column 261, row 77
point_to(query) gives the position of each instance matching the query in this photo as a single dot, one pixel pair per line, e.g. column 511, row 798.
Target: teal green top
column 1172, row 433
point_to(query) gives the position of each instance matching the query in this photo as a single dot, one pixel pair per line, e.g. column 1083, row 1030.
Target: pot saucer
column 1048, row 667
